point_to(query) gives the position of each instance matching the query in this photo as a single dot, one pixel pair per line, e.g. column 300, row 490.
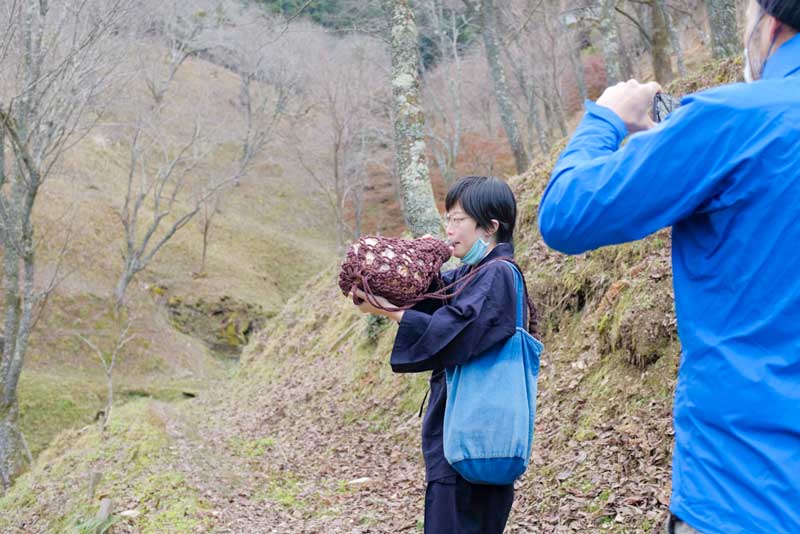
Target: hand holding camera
column 633, row 102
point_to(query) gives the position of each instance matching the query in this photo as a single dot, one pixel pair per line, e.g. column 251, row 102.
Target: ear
column 773, row 30
column 495, row 226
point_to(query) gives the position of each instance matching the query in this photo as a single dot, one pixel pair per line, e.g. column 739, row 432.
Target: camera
column 663, row 104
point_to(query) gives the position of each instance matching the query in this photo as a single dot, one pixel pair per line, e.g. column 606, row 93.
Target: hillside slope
column 261, row 249
column 315, row 434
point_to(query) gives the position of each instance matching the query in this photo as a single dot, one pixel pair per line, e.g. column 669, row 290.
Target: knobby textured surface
column 399, row 270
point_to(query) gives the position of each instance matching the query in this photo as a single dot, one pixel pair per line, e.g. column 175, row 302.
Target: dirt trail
column 292, row 472
column 223, row 481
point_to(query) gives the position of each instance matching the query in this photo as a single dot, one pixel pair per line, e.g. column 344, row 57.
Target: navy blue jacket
column 436, row 334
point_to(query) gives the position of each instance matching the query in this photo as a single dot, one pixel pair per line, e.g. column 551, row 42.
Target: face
column 758, row 37
column 463, row 231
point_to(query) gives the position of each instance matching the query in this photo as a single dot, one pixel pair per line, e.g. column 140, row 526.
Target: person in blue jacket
column 724, row 171
column 480, row 220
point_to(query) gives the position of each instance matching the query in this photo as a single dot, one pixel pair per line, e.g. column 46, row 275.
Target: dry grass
column 260, row 251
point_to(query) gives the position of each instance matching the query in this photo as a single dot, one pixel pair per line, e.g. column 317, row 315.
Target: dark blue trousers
column 455, row 506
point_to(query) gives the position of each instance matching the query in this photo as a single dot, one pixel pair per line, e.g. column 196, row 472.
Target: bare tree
column 537, row 40
column 156, row 175
column 553, row 68
column 481, row 117
column 419, row 206
column 442, row 88
column 724, row 33
column 179, row 31
column 611, row 42
column 486, row 14
column 108, row 358
column 662, row 62
column 574, row 53
column 56, row 59
column 160, row 172
column 652, row 25
column 674, row 38
column 246, row 44
column 336, row 140
column 209, row 210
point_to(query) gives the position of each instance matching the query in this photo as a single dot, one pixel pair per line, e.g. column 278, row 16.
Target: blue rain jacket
column 724, row 171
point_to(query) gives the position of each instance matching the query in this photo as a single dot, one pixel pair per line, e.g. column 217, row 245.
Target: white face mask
column 748, row 71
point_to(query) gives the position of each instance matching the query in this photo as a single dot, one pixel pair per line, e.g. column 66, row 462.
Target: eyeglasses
column 456, row 220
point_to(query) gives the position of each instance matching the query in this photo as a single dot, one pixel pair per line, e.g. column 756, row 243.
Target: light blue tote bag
column 491, row 406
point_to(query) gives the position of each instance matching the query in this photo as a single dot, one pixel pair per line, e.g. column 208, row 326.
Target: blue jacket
column 724, row 171
column 434, row 335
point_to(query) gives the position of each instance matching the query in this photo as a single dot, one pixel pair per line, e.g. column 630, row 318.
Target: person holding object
column 724, row 171
column 480, row 314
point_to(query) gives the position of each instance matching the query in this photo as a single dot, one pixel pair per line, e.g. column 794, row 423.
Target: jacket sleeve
column 482, row 315
column 600, row 194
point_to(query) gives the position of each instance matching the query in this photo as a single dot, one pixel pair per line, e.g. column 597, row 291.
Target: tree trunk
column 674, row 38
column 612, row 45
column 577, row 64
column 339, row 192
column 122, row 285
column 358, row 208
column 550, row 118
column 722, row 23
column 535, row 126
column 535, row 129
column 14, row 453
column 502, row 94
column 626, row 55
column 662, row 62
column 53, row 93
column 110, row 399
column 561, row 118
column 206, row 229
column 13, row 306
column 419, row 206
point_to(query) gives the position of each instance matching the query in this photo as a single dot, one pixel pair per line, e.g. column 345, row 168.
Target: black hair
column 485, row 198
column 788, row 12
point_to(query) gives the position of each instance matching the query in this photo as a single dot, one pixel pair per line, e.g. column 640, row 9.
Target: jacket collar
column 785, row 61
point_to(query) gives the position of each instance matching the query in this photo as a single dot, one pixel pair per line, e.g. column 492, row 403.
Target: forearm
column 574, row 186
column 603, row 194
column 395, row 316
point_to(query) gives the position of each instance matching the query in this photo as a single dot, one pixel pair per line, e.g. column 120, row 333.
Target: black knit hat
column 786, row 11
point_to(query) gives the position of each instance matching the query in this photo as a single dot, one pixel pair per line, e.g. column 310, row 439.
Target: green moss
column 225, row 324
column 376, row 324
column 585, row 430
column 50, row 403
column 284, row 489
column 254, row 448
column 604, row 324
column 134, row 458
column 599, row 502
column 715, row 73
column 168, row 506
column 94, row 526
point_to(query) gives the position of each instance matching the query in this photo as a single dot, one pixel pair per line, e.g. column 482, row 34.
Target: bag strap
column 520, row 293
column 460, row 285
column 440, row 294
